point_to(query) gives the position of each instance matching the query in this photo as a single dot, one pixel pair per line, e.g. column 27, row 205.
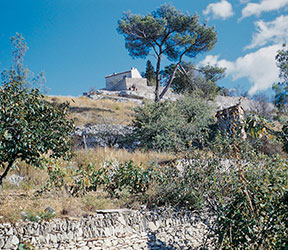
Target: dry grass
column 13, row 202
column 16, row 199
column 99, row 155
column 87, row 111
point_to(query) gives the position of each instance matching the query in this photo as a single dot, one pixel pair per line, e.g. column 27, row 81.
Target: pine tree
column 150, row 74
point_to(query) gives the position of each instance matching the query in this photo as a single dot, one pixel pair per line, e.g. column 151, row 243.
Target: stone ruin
column 230, row 119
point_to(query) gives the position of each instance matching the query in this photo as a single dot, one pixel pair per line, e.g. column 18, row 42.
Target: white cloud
column 275, row 31
column 258, row 67
column 263, row 6
column 245, row 1
column 221, row 10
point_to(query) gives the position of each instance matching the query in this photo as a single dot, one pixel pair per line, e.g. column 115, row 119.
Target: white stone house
column 128, row 80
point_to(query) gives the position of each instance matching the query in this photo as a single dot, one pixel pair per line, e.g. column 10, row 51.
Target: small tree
column 167, row 32
column 150, row 74
column 189, row 79
column 31, row 129
column 262, row 105
column 281, row 88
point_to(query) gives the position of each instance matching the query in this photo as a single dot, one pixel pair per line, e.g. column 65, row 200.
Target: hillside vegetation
column 236, row 169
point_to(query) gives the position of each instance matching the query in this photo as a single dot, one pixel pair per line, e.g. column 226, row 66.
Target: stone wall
column 111, row 230
column 104, row 135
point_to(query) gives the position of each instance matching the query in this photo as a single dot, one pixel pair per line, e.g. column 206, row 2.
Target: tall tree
column 166, row 32
column 281, row 88
column 150, row 74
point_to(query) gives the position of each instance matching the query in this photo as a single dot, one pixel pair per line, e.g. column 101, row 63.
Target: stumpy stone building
column 128, row 80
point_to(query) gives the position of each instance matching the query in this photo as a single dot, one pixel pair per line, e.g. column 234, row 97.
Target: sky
column 76, row 43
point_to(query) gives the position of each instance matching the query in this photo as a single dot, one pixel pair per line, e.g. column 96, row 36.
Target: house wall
column 118, row 80
column 114, row 79
column 121, row 85
column 139, row 83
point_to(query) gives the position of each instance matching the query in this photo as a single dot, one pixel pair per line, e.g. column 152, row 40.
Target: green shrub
column 125, row 175
column 261, row 224
column 46, row 215
column 173, row 126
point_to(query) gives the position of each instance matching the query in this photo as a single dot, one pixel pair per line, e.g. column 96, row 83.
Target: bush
column 173, row 126
column 257, row 222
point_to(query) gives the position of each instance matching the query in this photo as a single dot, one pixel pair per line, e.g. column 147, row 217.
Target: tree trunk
column 169, row 82
column 10, row 164
column 157, row 79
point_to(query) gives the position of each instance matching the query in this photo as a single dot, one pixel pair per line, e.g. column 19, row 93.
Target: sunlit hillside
column 88, row 111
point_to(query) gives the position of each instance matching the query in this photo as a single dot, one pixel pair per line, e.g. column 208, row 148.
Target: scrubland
column 21, row 197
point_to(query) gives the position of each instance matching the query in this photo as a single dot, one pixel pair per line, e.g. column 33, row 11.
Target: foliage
column 266, row 226
column 191, row 80
column 166, row 32
column 31, row 129
column 173, row 126
column 118, row 177
column 19, row 72
column 113, row 178
column 26, row 246
column 153, row 185
column 177, row 186
column 264, row 137
column 40, row 216
column 150, row 74
column 280, row 99
column 284, row 137
column 74, row 181
column 281, row 88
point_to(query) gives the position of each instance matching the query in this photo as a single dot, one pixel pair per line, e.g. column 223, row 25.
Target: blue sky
column 76, row 44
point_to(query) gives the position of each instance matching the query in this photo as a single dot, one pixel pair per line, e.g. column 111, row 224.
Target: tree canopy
column 31, row 129
column 166, row 32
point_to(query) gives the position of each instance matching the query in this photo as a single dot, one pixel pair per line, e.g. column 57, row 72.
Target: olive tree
column 31, row 129
column 166, row 32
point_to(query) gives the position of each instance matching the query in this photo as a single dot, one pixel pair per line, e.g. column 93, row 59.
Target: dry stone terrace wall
column 111, row 230
column 104, row 135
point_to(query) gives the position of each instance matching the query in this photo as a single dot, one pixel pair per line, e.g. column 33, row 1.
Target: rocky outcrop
column 220, row 102
column 138, row 96
column 111, row 230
